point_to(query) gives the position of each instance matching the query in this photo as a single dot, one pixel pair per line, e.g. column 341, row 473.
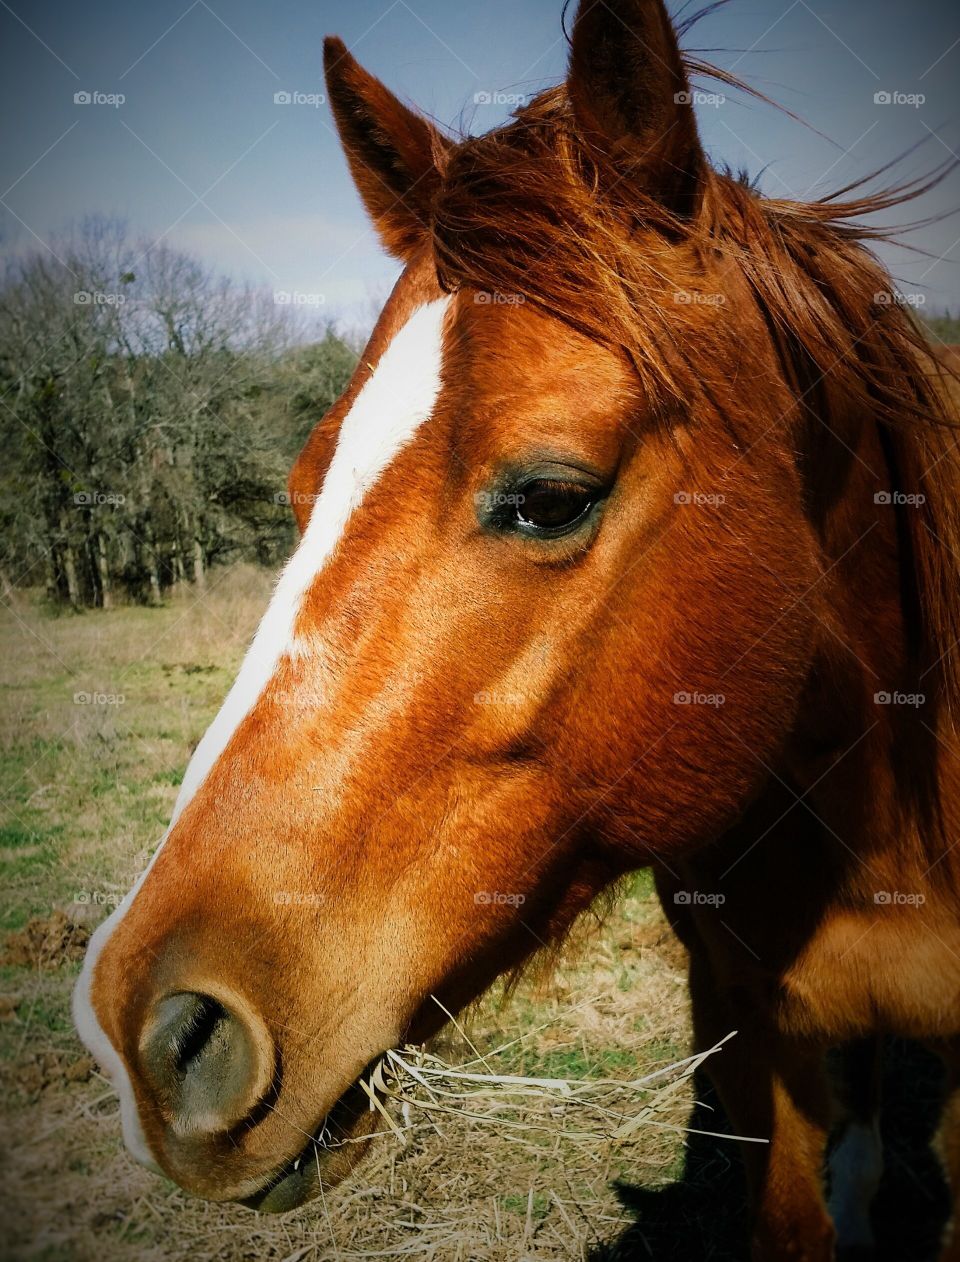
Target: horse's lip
column 293, row 1184
column 299, row 1180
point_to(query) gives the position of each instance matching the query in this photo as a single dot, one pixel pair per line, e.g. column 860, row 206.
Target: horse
column 633, row 542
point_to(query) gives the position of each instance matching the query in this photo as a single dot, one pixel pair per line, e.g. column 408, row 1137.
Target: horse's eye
column 545, row 506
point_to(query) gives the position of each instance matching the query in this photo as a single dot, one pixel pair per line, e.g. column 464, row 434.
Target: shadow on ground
column 702, row 1218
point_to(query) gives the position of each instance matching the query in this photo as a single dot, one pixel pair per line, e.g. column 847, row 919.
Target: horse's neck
column 878, row 760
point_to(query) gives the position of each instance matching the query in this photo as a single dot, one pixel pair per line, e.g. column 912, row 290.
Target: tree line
column 149, row 413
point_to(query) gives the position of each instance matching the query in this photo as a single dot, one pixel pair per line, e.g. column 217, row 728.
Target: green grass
column 99, row 717
column 537, row 1205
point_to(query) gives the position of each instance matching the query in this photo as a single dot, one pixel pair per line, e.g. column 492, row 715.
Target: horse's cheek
column 710, row 673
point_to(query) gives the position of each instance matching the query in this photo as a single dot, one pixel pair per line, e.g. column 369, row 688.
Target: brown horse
column 634, row 540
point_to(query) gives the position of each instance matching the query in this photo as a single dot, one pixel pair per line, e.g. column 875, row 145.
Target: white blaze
column 393, row 403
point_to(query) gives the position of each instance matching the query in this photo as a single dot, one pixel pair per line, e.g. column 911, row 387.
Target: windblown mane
column 519, row 211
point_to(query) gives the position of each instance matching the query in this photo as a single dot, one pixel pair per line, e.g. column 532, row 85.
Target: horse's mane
column 520, row 210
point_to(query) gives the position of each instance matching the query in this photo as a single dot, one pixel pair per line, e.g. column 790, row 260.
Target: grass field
column 99, row 717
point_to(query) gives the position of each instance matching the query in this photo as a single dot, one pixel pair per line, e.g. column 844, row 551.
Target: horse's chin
column 326, row 1159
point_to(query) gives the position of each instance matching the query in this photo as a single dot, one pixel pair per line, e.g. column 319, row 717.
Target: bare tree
column 149, row 410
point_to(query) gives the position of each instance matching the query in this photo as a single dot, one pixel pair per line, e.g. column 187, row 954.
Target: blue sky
column 200, row 155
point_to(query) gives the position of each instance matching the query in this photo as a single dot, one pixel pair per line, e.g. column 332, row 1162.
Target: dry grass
column 495, row 1175
column 583, row 1110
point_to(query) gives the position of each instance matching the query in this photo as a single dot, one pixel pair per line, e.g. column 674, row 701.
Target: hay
column 591, row 1110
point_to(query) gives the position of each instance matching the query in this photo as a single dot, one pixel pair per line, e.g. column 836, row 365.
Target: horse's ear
column 393, row 153
column 632, row 101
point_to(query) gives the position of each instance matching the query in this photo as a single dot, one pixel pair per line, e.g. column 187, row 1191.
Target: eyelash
column 506, row 508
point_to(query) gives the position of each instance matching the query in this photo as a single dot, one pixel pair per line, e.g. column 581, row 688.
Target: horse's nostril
column 208, row 1064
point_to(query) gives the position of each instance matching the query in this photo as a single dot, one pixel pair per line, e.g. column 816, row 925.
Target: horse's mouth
column 326, row 1159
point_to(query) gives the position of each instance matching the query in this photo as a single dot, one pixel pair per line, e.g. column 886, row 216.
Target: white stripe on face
column 393, row 403
column 388, row 411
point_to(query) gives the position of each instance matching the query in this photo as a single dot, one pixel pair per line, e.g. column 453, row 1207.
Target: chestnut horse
column 633, row 541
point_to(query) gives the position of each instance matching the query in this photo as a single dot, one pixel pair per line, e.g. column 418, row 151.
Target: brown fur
column 725, row 364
